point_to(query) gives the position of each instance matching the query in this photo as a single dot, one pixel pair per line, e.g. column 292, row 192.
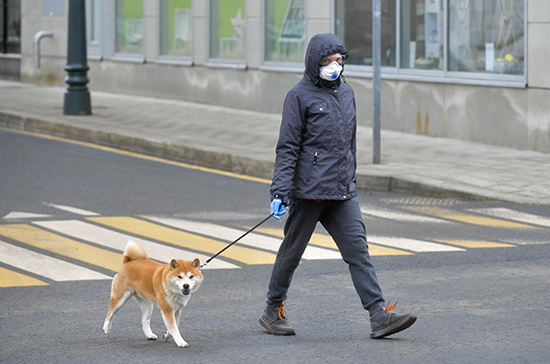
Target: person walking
column 314, row 177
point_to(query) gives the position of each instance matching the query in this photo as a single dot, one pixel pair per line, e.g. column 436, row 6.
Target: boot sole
column 401, row 325
column 271, row 330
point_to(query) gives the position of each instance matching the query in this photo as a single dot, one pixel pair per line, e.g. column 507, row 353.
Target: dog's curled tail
column 133, row 251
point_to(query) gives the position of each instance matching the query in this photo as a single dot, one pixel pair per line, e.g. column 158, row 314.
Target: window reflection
column 486, row 36
column 422, row 34
column 284, row 30
column 227, row 29
column 176, row 36
column 129, row 26
column 354, row 27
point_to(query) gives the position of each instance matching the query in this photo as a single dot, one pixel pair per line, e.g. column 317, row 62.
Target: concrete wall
column 508, row 117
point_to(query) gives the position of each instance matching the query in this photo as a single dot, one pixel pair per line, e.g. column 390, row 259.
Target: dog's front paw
column 182, row 343
column 106, row 328
column 151, row 337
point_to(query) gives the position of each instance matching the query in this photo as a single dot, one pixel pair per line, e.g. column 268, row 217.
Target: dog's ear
column 174, row 264
column 196, row 263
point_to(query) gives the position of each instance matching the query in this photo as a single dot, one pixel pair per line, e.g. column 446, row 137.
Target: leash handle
column 239, row 238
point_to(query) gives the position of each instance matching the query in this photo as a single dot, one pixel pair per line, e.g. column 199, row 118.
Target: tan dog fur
column 168, row 285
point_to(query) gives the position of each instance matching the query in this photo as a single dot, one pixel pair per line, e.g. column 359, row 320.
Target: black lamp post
column 77, row 97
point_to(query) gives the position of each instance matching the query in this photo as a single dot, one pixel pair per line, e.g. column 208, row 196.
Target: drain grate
column 429, row 201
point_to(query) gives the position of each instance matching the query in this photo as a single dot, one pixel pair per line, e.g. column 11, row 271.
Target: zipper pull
column 315, row 158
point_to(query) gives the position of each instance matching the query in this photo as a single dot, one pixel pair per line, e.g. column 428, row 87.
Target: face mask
column 330, row 72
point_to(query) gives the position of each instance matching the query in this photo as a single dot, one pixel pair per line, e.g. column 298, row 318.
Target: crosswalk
column 38, row 249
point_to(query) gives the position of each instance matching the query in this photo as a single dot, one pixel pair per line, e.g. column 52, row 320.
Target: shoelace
column 390, row 306
column 282, row 311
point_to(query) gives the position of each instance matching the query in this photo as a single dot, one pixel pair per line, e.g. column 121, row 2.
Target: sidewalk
column 244, row 142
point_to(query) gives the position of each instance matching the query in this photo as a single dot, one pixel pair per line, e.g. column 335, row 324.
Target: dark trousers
column 344, row 222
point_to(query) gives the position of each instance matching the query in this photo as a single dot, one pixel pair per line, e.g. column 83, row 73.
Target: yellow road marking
column 326, row 241
column 147, row 157
column 43, row 239
column 476, row 243
column 184, row 239
column 10, row 278
column 470, row 219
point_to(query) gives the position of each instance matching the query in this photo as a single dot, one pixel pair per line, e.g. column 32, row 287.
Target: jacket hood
column 322, row 45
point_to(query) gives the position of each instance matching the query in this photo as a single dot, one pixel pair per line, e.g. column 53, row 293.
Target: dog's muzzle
column 186, row 289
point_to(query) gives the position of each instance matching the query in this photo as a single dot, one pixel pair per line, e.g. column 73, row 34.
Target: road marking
column 252, row 240
column 327, row 242
column 117, row 241
column 399, row 216
column 63, row 246
column 528, row 242
column 73, row 210
column 23, row 215
column 10, row 278
column 418, row 246
column 44, row 265
column 470, row 219
column 184, row 239
column 475, row 243
column 515, row 215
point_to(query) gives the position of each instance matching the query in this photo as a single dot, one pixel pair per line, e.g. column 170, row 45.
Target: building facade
column 475, row 70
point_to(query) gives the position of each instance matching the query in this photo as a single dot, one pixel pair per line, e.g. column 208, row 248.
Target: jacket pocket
column 318, row 109
column 306, row 164
column 312, row 166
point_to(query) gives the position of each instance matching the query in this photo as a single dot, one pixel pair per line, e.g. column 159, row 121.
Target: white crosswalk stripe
column 73, row 210
column 514, row 215
column 56, row 269
column 117, row 241
column 399, row 216
column 44, row 265
column 413, row 245
column 251, row 240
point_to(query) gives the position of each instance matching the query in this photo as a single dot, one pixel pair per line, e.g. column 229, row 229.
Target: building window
column 284, row 30
column 129, row 26
column 227, row 28
column 458, row 41
column 10, row 26
column 353, row 25
column 176, row 31
column 422, row 34
column 487, row 36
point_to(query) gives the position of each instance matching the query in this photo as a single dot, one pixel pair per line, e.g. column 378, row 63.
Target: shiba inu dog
column 168, row 285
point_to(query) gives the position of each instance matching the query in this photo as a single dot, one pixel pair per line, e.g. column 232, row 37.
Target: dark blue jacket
column 316, row 151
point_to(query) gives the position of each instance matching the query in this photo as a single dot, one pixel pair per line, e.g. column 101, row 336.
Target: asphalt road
column 485, row 299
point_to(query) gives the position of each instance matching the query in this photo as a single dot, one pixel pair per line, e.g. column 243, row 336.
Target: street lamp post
column 77, row 97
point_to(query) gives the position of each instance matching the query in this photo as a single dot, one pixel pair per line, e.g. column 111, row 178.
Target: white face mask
column 330, row 72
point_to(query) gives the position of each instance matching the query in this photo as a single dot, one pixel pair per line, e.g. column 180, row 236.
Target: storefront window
column 284, row 24
column 353, row 25
column 487, row 36
column 10, row 26
column 422, row 34
column 129, row 26
column 227, row 29
column 176, row 35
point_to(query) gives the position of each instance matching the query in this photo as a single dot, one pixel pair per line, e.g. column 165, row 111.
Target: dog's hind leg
column 146, row 312
column 120, row 294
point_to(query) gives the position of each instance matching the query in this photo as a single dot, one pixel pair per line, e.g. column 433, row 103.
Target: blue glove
column 277, row 208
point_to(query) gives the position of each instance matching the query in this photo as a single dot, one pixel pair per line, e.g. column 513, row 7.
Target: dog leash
column 239, row 238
